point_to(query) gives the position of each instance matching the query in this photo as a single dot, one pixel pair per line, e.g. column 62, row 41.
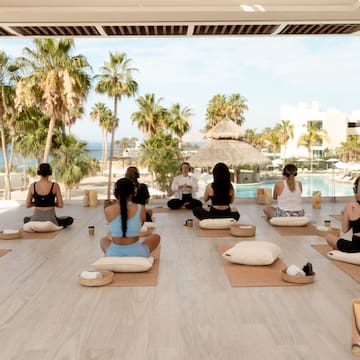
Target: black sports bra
column 44, row 200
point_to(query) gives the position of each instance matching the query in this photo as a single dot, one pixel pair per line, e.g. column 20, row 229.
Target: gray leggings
column 49, row 215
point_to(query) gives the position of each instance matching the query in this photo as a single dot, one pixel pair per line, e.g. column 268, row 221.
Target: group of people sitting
column 127, row 215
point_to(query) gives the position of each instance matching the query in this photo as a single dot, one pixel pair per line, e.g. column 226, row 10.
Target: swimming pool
column 310, row 184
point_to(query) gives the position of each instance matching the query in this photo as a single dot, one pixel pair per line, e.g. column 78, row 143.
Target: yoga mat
column 309, row 229
column 351, row 269
column 4, row 251
column 253, row 275
column 338, row 217
column 211, row 232
column 39, row 235
column 167, row 210
column 148, row 278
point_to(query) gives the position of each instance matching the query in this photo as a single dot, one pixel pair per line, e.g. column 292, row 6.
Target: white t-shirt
column 288, row 200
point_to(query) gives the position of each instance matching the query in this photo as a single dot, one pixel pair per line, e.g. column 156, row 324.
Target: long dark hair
column 123, row 189
column 222, row 184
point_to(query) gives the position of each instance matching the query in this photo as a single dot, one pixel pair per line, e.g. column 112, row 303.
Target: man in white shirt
column 184, row 186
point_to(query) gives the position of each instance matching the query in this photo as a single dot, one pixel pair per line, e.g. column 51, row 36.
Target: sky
column 267, row 71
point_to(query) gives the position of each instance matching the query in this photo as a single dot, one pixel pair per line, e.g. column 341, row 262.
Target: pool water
column 311, row 183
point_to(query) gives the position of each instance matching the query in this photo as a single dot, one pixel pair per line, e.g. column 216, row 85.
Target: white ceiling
column 178, row 17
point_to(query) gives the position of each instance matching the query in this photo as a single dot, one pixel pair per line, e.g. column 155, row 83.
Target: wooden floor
column 193, row 312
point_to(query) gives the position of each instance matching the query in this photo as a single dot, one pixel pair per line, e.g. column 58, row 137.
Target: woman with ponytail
column 288, row 194
column 351, row 221
column 125, row 220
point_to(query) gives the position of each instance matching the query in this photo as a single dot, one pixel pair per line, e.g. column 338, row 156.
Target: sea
column 94, row 150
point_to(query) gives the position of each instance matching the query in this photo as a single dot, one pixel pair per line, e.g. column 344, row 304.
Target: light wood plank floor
column 193, row 312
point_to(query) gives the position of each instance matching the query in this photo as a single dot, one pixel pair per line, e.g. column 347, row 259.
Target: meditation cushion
column 217, row 224
column 289, row 220
column 124, row 263
column 351, row 258
column 41, row 226
column 253, row 253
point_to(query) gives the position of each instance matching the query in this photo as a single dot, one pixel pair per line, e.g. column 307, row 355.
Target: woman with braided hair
column 288, row 194
column 125, row 220
column 351, row 221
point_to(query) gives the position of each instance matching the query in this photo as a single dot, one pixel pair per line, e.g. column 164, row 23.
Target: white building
column 337, row 124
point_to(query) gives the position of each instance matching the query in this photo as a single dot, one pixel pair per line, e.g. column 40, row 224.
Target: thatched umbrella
column 233, row 153
column 226, row 146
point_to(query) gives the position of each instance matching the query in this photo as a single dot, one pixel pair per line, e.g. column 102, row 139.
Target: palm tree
column 179, row 121
column 71, row 164
column 236, row 106
column 161, row 155
column 215, row 111
column 311, row 137
column 221, row 107
column 7, row 81
column 350, row 149
column 151, row 115
column 54, row 80
column 116, row 81
column 285, row 132
column 103, row 114
column 254, row 138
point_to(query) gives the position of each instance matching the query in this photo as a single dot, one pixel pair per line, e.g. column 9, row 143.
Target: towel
column 91, row 275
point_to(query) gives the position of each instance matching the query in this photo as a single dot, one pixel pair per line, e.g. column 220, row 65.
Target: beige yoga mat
column 148, row 278
column 338, row 217
column 39, row 235
column 350, row 269
column 211, row 232
column 250, row 276
column 167, row 210
column 309, row 229
column 4, row 251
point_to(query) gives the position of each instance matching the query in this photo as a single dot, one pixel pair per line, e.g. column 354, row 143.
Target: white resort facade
column 337, row 124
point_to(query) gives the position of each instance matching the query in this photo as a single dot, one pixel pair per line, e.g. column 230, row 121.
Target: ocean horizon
column 94, row 150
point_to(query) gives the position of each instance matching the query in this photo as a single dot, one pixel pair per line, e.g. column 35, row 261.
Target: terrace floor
column 192, row 313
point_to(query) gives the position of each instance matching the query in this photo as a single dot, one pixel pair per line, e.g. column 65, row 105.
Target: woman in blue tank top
column 125, row 220
column 351, row 221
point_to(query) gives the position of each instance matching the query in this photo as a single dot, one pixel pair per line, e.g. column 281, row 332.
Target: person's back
column 290, row 200
column 125, row 220
column 142, row 194
column 134, row 224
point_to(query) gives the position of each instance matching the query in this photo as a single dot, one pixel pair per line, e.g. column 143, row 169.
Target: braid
column 290, row 171
column 124, row 188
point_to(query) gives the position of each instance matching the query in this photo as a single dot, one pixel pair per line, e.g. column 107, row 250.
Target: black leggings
column 186, row 199
column 63, row 221
column 349, row 246
column 213, row 213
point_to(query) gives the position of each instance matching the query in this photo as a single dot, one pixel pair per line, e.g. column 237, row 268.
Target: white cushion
column 289, row 220
column 352, row 258
column 219, row 224
column 41, row 226
column 124, row 263
column 253, row 253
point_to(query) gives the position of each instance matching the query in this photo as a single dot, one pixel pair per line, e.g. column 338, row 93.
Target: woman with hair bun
column 125, row 220
column 45, row 195
column 288, row 194
column 351, row 221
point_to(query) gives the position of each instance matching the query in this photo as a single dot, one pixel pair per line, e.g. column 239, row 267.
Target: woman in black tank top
column 351, row 221
column 221, row 193
column 45, row 195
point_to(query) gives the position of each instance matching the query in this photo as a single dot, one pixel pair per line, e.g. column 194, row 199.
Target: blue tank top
column 133, row 225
